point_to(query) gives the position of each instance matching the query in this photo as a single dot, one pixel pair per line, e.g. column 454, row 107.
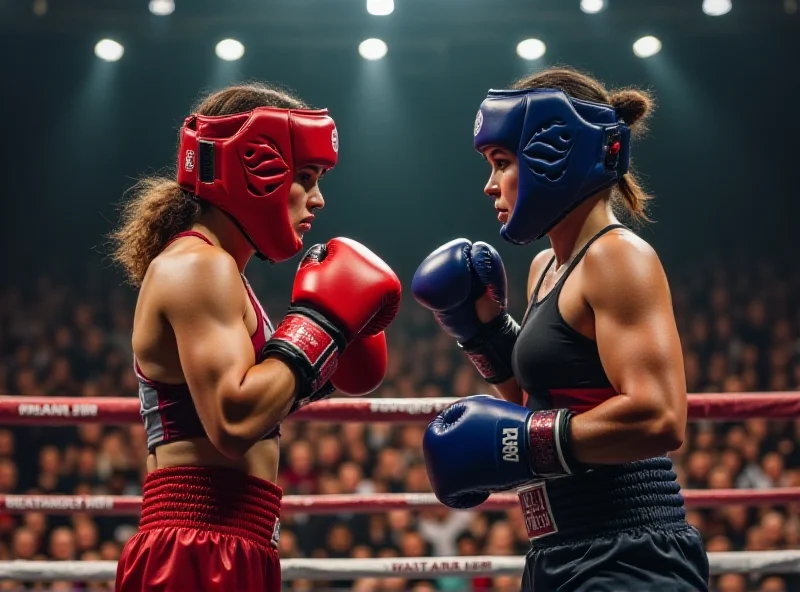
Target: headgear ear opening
column 567, row 150
column 205, row 154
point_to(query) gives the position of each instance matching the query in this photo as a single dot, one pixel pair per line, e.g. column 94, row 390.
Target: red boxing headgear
column 244, row 164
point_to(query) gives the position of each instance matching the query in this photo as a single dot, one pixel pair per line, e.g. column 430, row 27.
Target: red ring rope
column 110, row 505
column 61, row 411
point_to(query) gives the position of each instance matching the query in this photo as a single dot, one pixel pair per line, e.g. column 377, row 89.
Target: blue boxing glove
column 449, row 282
column 482, row 444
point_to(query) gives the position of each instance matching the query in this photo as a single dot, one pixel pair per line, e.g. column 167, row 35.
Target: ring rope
column 62, row 411
column 130, row 505
column 749, row 562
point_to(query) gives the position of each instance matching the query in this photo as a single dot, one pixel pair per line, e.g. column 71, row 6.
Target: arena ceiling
column 332, row 23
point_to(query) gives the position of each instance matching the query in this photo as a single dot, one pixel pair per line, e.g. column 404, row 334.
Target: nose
column 492, row 188
column 315, row 200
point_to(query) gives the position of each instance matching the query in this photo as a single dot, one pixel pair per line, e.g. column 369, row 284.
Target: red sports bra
column 168, row 411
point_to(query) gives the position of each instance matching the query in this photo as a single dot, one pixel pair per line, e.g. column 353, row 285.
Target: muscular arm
column 641, row 353
column 237, row 401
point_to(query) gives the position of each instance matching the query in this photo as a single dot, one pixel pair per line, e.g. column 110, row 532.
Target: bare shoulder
column 537, row 268
column 623, row 268
column 196, row 278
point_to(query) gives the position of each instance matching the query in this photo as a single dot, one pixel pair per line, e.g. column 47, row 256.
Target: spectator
column 25, row 544
column 62, row 544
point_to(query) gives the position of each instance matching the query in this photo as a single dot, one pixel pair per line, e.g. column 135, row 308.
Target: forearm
column 490, row 352
column 488, row 310
column 623, row 430
column 510, row 391
column 261, row 400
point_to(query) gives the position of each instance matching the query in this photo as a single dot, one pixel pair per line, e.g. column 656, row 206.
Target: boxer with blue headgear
column 567, row 150
column 592, row 388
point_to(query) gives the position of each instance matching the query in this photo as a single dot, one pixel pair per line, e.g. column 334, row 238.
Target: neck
column 224, row 233
column 573, row 232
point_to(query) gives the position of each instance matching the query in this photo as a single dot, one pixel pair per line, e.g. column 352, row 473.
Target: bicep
column 638, row 340
column 207, row 318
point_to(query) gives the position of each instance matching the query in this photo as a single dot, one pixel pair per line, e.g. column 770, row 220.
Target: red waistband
column 222, row 500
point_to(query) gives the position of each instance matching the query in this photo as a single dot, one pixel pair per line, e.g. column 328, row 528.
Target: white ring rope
column 749, row 562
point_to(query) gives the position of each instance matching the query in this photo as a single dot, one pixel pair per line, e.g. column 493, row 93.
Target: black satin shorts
column 668, row 560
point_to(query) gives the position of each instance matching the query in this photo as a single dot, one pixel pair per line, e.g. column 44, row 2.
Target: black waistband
column 612, row 499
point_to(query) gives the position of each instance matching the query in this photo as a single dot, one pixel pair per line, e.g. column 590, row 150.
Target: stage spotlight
column 646, row 47
column 372, row 49
column 592, row 6
column 380, row 7
column 162, row 7
column 108, row 50
column 717, row 7
column 531, row 49
column 229, row 50
column 40, row 7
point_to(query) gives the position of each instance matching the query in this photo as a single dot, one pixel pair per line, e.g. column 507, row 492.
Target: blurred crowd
column 739, row 333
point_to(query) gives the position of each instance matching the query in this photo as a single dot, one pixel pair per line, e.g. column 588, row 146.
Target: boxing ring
column 63, row 411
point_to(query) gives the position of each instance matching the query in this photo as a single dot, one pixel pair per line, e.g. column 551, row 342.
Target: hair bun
column 632, row 105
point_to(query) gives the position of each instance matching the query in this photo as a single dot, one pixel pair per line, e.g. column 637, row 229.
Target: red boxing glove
column 341, row 290
column 349, row 284
column 362, row 366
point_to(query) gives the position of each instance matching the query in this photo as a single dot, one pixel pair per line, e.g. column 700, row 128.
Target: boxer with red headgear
column 215, row 378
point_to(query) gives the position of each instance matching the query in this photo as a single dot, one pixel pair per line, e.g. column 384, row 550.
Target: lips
column 502, row 215
column 305, row 224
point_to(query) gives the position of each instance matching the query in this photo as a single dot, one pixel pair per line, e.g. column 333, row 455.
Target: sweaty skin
column 192, row 325
column 222, row 380
column 639, row 347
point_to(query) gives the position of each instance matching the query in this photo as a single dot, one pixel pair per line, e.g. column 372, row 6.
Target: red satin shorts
column 204, row 529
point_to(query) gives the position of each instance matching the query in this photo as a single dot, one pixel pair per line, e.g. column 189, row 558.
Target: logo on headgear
column 335, row 140
column 188, row 162
column 478, row 123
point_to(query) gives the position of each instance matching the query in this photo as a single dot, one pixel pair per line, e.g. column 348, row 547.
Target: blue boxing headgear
column 567, row 150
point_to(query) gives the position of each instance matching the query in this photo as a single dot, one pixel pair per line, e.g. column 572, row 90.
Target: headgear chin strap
column 567, row 150
column 245, row 163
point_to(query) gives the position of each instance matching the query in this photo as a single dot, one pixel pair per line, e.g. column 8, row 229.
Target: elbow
column 230, row 445
column 233, row 432
column 242, row 419
column 666, row 433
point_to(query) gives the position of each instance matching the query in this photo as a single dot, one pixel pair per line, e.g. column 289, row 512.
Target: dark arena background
column 81, row 123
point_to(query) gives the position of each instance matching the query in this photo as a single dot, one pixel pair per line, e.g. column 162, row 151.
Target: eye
column 501, row 163
column 307, row 177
